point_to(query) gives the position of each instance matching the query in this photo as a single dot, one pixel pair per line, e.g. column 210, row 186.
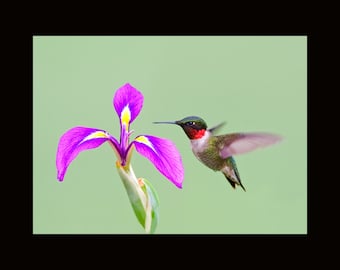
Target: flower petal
column 164, row 155
column 75, row 140
column 128, row 103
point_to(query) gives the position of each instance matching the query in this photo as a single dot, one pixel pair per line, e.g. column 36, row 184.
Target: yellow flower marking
column 95, row 135
column 125, row 117
column 146, row 141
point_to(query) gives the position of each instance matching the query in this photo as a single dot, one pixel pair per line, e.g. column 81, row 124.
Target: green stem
column 137, row 194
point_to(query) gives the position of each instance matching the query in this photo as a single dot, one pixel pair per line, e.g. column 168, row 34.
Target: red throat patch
column 198, row 134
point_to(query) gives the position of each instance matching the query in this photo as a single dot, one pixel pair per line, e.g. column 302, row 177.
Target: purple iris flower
column 128, row 102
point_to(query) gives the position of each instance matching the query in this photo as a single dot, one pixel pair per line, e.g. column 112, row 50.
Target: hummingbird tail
column 231, row 173
column 234, row 182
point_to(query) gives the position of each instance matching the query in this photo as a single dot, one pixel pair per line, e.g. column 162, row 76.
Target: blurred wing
column 214, row 129
column 239, row 143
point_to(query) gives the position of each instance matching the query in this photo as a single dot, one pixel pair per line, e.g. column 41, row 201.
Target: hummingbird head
column 193, row 126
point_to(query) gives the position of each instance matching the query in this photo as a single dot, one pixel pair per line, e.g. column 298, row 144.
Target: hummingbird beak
column 176, row 123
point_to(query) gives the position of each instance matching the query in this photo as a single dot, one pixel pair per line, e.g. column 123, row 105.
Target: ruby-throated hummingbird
column 216, row 151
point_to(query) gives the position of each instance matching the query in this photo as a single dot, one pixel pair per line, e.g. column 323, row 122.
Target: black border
column 225, row 238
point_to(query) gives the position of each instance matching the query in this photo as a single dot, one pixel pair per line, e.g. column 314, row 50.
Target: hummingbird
column 216, row 151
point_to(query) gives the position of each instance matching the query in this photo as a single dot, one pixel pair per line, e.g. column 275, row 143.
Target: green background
column 254, row 83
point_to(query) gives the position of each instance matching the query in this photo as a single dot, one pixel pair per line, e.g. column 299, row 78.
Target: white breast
column 199, row 145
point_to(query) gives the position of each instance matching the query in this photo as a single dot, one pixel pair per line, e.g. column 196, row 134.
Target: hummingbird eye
column 190, row 123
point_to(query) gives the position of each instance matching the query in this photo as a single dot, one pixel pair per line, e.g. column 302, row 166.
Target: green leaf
column 154, row 202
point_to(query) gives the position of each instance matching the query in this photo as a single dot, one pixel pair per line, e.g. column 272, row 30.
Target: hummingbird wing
column 239, row 143
column 214, row 129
